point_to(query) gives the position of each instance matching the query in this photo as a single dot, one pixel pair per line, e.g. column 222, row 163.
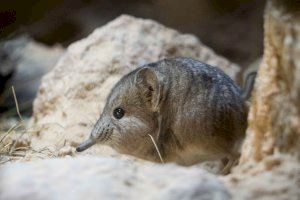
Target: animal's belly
column 194, row 155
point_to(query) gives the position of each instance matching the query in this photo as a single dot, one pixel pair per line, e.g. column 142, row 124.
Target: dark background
column 233, row 28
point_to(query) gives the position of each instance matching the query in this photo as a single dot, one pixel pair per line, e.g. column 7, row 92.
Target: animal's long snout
column 85, row 145
column 100, row 131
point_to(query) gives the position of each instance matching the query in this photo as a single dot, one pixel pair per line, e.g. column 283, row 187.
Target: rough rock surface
column 107, row 178
column 72, row 96
column 274, row 123
column 274, row 119
column 270, row 164
column 277, row 177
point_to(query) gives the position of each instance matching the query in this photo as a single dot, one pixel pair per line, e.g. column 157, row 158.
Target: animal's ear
column 147, row 82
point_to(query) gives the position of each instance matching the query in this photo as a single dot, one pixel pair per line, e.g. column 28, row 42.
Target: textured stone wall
column 269, row 167
column 274, row 118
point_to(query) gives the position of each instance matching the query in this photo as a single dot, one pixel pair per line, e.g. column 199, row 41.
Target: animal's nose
column 85, row 145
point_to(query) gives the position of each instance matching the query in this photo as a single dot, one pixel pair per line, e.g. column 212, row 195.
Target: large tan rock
column 72, row 96
column 270, row 164
column 106, row 178
column 274, row 122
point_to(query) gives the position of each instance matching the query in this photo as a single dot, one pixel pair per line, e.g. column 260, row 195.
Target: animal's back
column 203, row 109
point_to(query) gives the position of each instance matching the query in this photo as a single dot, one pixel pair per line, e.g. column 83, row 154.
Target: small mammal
column 193, row 111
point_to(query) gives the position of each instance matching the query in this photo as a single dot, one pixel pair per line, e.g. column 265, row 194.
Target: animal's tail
column 248, row 85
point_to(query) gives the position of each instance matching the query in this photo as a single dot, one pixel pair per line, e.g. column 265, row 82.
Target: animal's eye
column 118, row 113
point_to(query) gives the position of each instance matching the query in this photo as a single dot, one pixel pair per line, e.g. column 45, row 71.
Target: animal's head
column 130, row 114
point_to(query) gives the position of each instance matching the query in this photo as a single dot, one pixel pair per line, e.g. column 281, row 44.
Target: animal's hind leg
column 231, row 160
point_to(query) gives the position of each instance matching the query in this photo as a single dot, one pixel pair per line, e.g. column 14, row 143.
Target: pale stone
column 107, row 178
column 270, row 163
column 274, row 118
